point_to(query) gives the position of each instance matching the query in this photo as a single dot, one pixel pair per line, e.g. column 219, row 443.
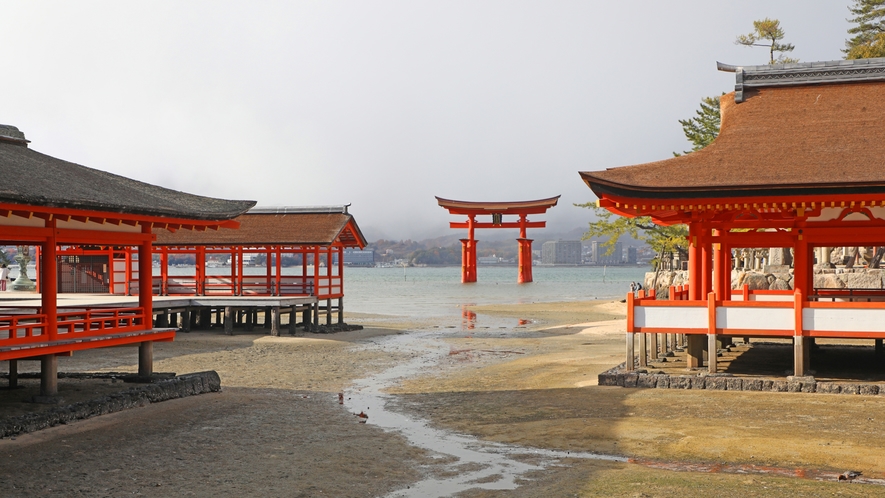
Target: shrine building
column 312, row 239
column 50, row 203
column 799, row 163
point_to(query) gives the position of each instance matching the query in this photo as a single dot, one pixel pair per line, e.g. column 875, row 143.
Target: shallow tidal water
column 470, row 462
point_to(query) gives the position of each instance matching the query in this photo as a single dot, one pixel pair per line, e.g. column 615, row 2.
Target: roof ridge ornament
column 803, row 73
column 9, row 133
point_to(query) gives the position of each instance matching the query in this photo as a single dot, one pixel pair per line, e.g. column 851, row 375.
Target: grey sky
column 380, row 104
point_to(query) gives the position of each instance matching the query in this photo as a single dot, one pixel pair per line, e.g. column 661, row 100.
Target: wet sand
column 277, row 428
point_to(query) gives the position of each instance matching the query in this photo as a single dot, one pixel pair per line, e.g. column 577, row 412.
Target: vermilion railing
column 88, row 322
column 24, row 329
column 323, row 286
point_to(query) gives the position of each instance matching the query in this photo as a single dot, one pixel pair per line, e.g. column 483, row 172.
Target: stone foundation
column 162, row 390
column 618, row 376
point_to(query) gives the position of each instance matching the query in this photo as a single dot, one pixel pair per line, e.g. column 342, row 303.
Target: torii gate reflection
column 497, row 211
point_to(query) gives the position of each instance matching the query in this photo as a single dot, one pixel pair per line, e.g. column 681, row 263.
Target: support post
column 524, row 260
column 643, row 350
column 341, row 309
column 228, row 320
column 328, row 312
column 49, row 285
column 146, row 359
column 629, row 365
column 48, row 375
column 801, row 344
column 653, row 346
column 694, row 270
column 712, row 363
column 186, row 320
column 13, row 374
column 694, row 351
column 145, row 280
column 275, row 321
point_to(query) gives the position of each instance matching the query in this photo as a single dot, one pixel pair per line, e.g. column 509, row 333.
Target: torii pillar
column 497, row 210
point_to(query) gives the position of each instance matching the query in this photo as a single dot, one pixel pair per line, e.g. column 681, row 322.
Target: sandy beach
column 277, row 428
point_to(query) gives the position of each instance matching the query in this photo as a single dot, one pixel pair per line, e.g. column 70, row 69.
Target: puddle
column 467, row 462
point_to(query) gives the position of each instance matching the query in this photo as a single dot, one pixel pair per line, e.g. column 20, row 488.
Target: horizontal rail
column 860, row 320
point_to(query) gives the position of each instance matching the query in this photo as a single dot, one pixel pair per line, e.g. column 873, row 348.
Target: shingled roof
column 795, row 129
column 30, row 178
column 314, row 226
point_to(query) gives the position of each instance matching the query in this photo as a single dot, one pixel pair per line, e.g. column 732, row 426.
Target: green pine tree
column 770, row 30
column 702, row 129
column 869, row 33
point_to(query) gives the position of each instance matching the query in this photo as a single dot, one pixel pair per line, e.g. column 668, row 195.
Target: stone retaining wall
column 617, row 376
column 176, row 387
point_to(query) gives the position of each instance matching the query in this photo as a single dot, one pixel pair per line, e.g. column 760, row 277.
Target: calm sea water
column 438, row 291
column 424, row 292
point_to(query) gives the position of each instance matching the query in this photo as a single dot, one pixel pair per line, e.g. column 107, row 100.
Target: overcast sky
column 380, row 104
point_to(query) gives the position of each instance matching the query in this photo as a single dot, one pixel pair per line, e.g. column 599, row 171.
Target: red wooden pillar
column 239, row 277
column 200, row 270
column 49, row 289
column 468, row 252
column 718, row 268
column 801, row 265
column 525, row 260
column 694, row 257
column 706, row 257
column 128, row 272
column 278, row 269
column 145, row 280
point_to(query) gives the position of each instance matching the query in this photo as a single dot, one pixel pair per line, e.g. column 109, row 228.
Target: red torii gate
column 497, row 210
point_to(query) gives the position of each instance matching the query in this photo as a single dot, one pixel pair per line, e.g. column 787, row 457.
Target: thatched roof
column 289, row 226
column 800, row 129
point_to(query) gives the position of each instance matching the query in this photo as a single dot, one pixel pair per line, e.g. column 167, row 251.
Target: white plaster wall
column 755, row 318
column 670, row 316
column 844, row 320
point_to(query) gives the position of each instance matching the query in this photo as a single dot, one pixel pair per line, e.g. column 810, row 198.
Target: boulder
column 828, row 281
column 870, row 279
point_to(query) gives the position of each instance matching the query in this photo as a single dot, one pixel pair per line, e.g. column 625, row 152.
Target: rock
column 828, row 388
column 752, row 385
column 828, row 281
column 718, row 383
column 663, row 382
column 850, row 389
column 734, row 384
column 680, row 382
column 756, row 281
column 870, row 279
column 697, row 383
column 868, row 389
column 780, row 284
column 647, row 381
column 630, row 379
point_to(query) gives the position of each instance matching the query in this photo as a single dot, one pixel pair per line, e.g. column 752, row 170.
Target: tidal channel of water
column 474, row 464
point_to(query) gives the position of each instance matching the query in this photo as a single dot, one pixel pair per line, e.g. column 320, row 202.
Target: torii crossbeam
column 497, row 211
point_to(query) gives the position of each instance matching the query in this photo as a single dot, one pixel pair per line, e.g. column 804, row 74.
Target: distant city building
column 600, row 258
column 359, row 257
column 631, row 255
column 561, row 252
